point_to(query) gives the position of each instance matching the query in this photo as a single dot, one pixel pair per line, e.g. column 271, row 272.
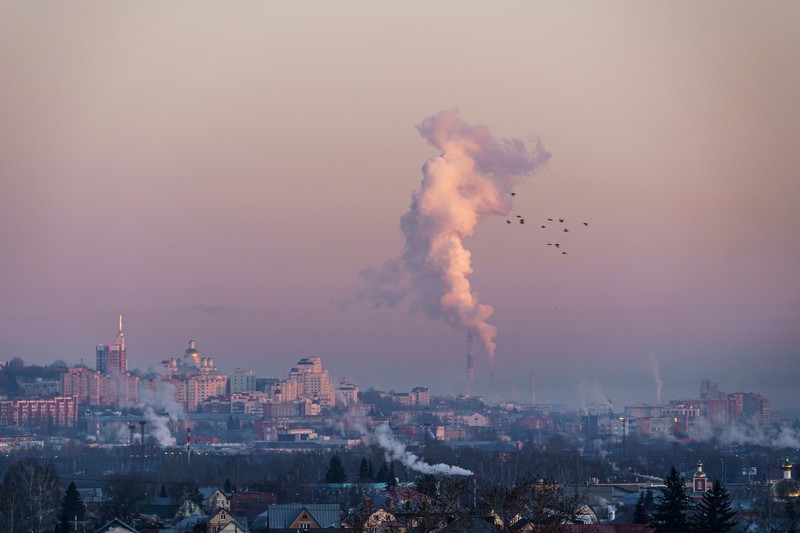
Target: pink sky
column 225, row 173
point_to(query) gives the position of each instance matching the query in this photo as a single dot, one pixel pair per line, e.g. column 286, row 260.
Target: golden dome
column 785, row 489
column 699, row 473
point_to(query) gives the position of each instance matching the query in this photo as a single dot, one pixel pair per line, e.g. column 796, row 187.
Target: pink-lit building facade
column 59, row 411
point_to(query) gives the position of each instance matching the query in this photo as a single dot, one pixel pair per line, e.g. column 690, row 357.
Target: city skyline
column 227, row 175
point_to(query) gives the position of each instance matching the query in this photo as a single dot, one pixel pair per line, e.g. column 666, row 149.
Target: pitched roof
column 116, row 525
column 283, row 515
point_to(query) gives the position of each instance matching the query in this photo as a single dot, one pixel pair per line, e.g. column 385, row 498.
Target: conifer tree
column 649, row 502
column 72, row 509
column 335, row 472
column 639, row 512
column 714, row 513
column 363, row 470
column 671, row 508
column 383, row 475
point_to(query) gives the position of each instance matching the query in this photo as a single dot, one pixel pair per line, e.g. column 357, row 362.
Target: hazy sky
column 225, row 172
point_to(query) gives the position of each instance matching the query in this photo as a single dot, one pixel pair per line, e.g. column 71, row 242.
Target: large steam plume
column 470, row 179
column 161, row 399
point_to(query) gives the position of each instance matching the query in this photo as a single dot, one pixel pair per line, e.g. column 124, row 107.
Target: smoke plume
column 161, row 399
column 654, row 366
column 395, row 450
column 592, row 395
column 470, row 179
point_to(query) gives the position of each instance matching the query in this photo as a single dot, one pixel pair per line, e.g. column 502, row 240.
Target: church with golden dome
column 195, row 377
column 787, row 488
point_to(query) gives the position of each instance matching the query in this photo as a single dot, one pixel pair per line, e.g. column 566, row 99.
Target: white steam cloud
column 592, row 394
column 162, row 399
column 395, row 450
column 654, row 366
column 470, row 179
column 771, row 436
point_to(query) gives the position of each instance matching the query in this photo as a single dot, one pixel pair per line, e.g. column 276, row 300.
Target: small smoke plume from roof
column 470, row 179
column 396, row 451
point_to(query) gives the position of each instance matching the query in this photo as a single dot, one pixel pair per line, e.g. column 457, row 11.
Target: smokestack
column 470, row 362
column 533, row 388
column 189, row 445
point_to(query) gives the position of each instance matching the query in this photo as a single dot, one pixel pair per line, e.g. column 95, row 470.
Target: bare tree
column 124, row 492
column 32, row 493
column 532, row 506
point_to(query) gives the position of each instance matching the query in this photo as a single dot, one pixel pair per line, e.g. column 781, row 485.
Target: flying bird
column 508, row 222
column 565, row 230
column 544, row 226
column 585, row 223
column 558, row 245
column 561, row 220
column 550, row 219
column 521, row 220
column 513, row 194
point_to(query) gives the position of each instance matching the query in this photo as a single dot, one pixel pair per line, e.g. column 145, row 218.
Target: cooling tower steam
column 470, row 179
column 654, row 366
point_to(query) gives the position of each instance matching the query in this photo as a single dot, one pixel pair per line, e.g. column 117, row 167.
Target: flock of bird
column 554, row 225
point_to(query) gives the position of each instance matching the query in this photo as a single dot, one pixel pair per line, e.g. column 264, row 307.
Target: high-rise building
column 242, row 380
column 346, row 393
column 111, row 359
column 307, row 380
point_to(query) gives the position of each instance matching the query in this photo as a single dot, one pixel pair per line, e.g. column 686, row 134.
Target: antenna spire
column 120, row 335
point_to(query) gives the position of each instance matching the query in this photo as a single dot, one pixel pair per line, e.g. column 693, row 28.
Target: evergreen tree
column 72, row 509
column 383, row 474
column 226, row 487
column 163, row 492
column 672, row 506
column 363, row 470
column 371, row 470
column 714, row 512
column 335, row 472
column 649, row 502
column 640, row 512
column 392, row 478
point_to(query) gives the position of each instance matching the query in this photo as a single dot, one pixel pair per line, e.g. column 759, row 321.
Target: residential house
column 116, row 526
column 220, row 521
column 217, row 500
column 294, row 516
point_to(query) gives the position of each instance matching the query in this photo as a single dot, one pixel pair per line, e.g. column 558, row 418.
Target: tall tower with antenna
column 120, row 335
column 111, row 358
column 470, row 361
